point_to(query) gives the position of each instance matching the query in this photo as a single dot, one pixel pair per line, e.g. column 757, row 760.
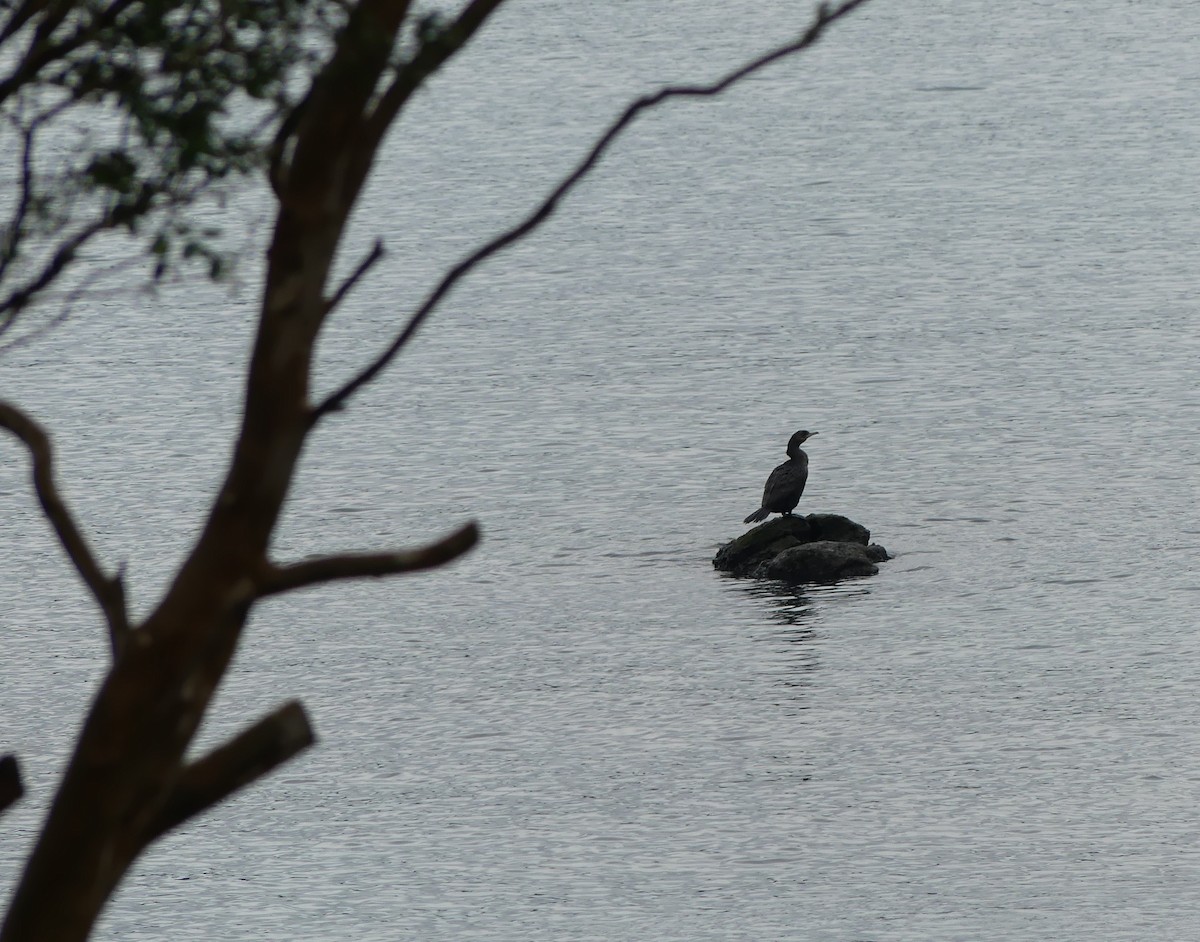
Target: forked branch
column 18, row 298
column 825, row 15
column 430, row 57
column 109, row 591
column 322, row 569
column 250, row 755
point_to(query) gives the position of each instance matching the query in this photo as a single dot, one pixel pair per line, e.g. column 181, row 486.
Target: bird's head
column 797, row 440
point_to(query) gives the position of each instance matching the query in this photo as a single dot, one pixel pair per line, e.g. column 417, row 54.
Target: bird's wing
column 778, row 478
column 786, row 477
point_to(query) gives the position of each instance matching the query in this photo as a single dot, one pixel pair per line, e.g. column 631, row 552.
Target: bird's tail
column 760, row 514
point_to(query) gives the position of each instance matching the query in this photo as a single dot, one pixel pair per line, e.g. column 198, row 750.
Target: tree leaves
column 158, row 102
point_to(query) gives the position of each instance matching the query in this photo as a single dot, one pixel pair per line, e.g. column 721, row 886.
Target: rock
column 766, row 541
column 823, row 561
column 837, row 529
column 816, row 548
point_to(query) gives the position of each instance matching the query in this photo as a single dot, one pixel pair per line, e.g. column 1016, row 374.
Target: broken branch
column 250, row 755
column 11, row 788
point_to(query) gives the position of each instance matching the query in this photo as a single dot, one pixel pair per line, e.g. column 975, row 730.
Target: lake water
column 960, row 240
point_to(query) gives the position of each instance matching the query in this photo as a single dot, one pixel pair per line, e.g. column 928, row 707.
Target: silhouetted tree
column 178, row 99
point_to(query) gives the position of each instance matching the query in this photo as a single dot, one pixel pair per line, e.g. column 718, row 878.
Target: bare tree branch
column 824, row 17
column 250, row 755
column 362, row 565
column 12, row 238
column 70, row 300
column 109, row 591
column 111, row 218
column 19, row 297
column 15, row 232
column 364, row 266
column 11, row 788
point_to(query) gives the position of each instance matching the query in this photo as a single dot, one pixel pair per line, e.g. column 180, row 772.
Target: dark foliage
column 124, row 113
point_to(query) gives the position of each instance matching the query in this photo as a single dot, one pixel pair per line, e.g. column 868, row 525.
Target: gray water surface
column 958, row 239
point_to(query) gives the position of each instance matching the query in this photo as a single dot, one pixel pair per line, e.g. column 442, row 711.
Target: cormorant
column 786, row 483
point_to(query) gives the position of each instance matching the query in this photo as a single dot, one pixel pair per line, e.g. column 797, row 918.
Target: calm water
column 961, row 241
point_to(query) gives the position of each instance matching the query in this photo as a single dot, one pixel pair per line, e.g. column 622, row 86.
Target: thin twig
column 322, row 569
column 12, row 240
column 109, row 591
column 19, row 297
column 71, row 298
column 69, row 251
column 363, row 267
column 824, row 17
